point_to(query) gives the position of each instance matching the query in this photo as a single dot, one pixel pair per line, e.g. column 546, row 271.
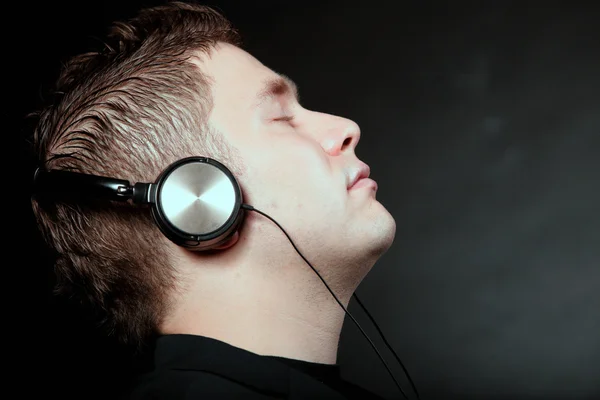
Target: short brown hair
column 127, row 111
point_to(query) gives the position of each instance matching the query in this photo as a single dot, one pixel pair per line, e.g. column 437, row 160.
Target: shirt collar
column 207, row 354
column 277, row 376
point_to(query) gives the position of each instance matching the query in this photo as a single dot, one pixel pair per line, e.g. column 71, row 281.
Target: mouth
column 360, row 177
column 364, row 183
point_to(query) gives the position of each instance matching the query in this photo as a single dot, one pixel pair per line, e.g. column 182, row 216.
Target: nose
column 340, row 136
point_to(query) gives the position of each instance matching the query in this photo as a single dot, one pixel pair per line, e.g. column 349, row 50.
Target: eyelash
column 285, row 119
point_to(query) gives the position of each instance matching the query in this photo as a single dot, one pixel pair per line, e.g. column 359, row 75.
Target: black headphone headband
column 196, row 201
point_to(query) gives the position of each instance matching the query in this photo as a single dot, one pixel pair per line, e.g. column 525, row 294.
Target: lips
column 364, row 182
column 361, row 173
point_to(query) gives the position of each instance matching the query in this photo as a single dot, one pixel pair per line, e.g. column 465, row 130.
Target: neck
column 285, row 311
column 266, row 329
column 261, row 296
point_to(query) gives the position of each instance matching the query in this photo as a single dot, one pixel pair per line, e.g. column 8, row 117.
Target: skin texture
column 256, row 292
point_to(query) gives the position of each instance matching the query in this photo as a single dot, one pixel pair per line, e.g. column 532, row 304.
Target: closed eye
column 288, row 118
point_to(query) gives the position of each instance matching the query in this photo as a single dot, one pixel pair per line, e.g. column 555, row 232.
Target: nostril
column 346, row 143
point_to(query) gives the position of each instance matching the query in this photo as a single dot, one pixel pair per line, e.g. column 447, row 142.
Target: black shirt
column 197, row 367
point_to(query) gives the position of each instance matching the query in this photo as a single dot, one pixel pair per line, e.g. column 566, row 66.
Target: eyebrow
column 278, row 86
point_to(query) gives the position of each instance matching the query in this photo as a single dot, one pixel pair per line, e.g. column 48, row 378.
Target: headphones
column 196, row 202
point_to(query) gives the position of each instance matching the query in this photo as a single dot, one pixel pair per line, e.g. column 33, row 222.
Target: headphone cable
column 250, row 208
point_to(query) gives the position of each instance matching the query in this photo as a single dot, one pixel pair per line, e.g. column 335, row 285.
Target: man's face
column 298, row 162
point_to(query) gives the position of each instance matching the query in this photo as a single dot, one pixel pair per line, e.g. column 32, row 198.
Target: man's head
column 173, row 83
column 299, row 165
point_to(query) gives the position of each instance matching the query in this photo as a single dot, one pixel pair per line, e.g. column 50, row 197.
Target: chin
column 383, row 228
column 389, row 235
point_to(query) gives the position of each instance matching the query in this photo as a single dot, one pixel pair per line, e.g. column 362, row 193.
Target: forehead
column 234, row 72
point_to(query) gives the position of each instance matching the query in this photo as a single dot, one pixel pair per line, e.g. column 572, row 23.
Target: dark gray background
column 481, row 123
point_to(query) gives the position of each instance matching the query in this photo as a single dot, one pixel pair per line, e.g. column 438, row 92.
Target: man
column 250, row 319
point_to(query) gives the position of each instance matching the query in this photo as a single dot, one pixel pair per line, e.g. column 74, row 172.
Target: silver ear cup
column 197, row 198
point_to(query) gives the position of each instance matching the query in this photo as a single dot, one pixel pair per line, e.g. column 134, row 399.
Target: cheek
column 288, row 170
column 295, row 180
column 287, row 152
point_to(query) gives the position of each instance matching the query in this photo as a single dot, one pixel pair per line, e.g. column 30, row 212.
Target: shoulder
column 191, row 384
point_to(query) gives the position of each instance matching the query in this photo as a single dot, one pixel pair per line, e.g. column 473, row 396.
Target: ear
column 230, row 242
